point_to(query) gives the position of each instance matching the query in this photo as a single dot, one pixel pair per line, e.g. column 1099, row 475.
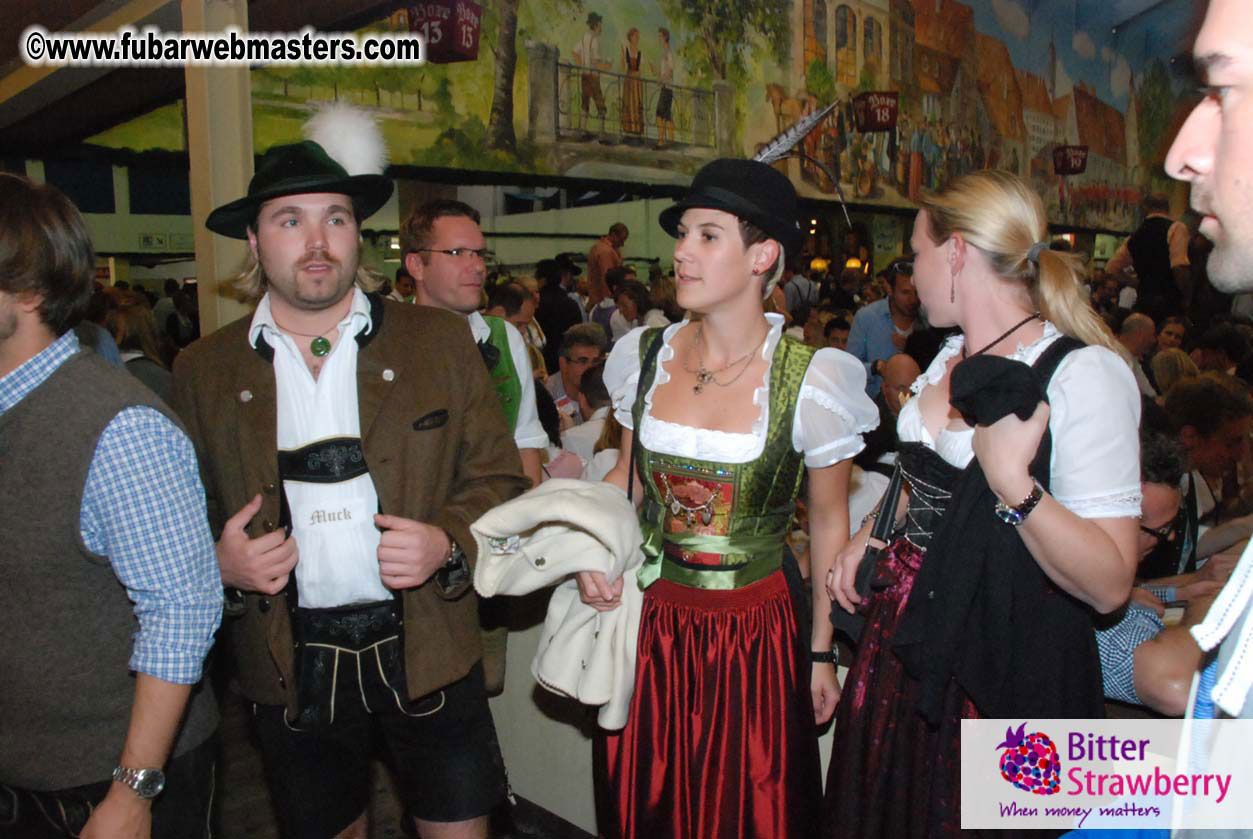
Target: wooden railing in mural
column 616, row 108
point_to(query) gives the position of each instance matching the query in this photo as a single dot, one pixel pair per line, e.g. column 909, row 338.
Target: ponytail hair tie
column 1034, row 253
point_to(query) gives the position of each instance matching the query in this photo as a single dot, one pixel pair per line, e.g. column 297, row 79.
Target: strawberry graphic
column 1030, row 762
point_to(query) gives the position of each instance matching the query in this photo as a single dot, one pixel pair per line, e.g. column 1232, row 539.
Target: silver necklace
column 705, row 376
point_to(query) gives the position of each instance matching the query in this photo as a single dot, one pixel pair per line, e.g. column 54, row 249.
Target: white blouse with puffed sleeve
column 1094, row 418
column 832, row 412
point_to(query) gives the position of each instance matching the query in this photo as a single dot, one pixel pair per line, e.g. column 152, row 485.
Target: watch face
column 1010, row 516
column 150, row 783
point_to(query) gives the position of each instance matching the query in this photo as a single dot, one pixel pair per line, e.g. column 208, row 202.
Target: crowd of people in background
column 1191, row 345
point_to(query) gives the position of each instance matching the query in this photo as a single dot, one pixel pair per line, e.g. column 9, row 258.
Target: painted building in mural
column 649, row 91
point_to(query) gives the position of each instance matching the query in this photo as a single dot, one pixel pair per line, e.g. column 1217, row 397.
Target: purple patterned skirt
column 891, row 774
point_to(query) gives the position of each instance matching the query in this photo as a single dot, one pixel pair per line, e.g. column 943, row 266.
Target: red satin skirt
column 721, row 739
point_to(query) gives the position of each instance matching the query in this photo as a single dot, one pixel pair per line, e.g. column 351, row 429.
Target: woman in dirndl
column 1019, row 453
column 725, row 416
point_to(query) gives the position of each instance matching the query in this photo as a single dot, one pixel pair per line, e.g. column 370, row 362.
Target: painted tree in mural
column 500, row 120
column 819, row 81
column 500, row 133
column 720, row 34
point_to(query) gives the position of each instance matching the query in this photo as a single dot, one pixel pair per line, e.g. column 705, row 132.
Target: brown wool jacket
column 438, row 451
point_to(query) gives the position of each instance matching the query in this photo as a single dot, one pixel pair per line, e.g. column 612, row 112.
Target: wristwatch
column 147, row 783
column 1017, row 515
column 456, row 568
column 831, row 656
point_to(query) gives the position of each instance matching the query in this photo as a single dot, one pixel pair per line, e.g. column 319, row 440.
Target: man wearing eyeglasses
column 1144, row 661
column 582, row 346
column 447, row 258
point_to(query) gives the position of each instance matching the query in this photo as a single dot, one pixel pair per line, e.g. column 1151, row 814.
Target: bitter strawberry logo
column 1030, row 762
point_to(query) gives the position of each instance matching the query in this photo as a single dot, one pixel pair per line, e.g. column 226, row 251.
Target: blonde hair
column 249, row 281
column 1169, row 366
column 999, row 214
column 539, row 367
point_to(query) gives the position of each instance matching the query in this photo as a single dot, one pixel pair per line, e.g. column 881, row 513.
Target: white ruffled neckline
column 705, row 443
column 954, row 445
column 953, row 345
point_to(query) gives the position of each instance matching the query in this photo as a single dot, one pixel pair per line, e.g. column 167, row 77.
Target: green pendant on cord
column 319, row 346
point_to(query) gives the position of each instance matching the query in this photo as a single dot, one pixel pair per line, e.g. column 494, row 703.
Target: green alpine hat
column 295, row 169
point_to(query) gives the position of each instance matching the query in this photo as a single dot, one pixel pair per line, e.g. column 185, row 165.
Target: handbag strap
column 646, row 363
column 886, row 518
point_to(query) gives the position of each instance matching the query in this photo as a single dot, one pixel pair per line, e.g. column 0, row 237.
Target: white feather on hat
column 350, row 136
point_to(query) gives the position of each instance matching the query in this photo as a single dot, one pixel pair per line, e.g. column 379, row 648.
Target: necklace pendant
column 706, row 516
column 703, row 377
column 319, row 346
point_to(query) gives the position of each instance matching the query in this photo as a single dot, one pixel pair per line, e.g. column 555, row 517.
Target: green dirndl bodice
column 722, row 525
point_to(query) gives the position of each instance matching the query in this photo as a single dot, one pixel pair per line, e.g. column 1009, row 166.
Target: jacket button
column 264, row 605
column 282, row 682
column 269, row 489
column 931, row 594
column 268, row 524
column 245, row 396
column 539, row 562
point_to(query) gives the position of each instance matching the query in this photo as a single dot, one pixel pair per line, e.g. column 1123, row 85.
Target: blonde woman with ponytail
column 1010, row 534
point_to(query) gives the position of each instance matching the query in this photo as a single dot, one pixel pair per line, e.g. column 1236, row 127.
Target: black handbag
column 880, row 535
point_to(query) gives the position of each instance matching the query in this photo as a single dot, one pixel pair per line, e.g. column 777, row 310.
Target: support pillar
column 220, row 151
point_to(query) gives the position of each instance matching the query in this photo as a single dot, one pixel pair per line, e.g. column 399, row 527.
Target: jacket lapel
column 374, row 378
column 257, row 400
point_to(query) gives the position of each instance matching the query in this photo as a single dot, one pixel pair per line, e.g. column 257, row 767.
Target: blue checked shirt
column 143, row 507
column 1117, row 647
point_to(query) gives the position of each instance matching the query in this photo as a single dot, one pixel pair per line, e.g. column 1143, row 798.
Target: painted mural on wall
column 649, row 90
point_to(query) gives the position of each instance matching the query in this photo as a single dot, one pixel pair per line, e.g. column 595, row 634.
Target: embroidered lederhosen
column 359, row 642
column 722, row 525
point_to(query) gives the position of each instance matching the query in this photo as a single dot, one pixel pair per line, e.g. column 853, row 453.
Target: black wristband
column 825, row 657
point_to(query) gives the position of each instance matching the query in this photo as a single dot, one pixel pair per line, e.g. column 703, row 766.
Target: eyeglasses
column 905, row 267
column 583, row 359
column 457, row 253
column 1165, row 533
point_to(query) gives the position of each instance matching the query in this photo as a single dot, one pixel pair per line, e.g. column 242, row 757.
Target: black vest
column 1150, row 252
